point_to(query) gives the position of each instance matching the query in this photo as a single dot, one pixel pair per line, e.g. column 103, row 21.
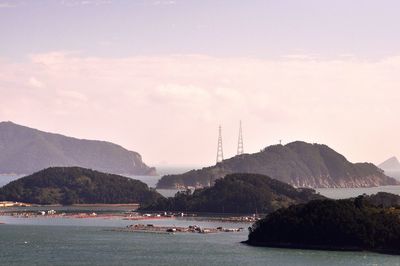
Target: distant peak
column 390, row 164
column 7, row 124
column 392, row 159
column 10, row 124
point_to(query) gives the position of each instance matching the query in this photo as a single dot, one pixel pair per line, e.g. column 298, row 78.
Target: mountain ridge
column 25, row 150
column 391, row 164
column 298, row 163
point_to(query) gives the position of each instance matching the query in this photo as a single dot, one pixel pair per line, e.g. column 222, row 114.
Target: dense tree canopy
column 237, row 193
column 73, row 185
column 330, row 224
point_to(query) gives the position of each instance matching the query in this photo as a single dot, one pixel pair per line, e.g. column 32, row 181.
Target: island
column 236, row 193
column 391, row 167
column 352, row 224
column 76, row 185
column 298, row 163
column 25, row 150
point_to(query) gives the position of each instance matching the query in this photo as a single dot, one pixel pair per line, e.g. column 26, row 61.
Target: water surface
column 342, row 193
column 54, row 241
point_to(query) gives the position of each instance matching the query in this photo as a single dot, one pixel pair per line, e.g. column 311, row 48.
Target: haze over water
column 160, row 76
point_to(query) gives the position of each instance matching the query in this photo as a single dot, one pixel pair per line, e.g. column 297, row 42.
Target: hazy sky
column 159, row 76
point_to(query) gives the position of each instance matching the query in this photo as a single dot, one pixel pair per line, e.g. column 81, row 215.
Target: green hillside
column 298, row 163
column 237, row 193
column 74, row 185
column 351, row 224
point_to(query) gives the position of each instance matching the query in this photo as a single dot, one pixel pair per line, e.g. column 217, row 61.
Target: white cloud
column 9, row 4
column 35, row 83
column 75, row 95
column 300, row 56
column 74, row 3
column 164, row 2
column 170, row 106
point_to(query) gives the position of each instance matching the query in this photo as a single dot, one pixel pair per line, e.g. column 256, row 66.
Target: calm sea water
column 55, row 241
column 342, row 193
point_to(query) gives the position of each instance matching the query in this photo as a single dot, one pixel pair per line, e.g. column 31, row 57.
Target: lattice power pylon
column 240, row 140
column 220, row 152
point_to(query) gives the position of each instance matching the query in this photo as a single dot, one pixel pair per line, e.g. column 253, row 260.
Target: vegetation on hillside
column 383, row 199
column 351, row 224
column 75, row 185
column 298, row 163
column 237, row 193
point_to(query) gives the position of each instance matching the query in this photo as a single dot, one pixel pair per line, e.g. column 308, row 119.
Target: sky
column 159, row 76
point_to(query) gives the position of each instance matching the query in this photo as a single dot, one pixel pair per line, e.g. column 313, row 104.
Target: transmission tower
column 240, row 140
column 220, row 152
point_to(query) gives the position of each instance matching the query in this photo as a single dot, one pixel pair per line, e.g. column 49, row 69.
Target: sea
column 76, row 241
column 61, row 241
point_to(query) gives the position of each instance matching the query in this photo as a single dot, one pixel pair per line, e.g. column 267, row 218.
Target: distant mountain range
column 298, row 163
column 391, row 164
column 391, row 167
column 24, row 150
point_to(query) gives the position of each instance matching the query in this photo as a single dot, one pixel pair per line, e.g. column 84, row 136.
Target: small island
column 76, row 185
column 359, row 224
column 237, row 193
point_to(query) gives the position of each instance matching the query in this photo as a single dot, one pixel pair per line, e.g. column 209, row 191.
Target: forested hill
column 26, row 150
column 74, row 185
column 383, row 199
column 298, row 163
column 351, row 224
column 237, row 193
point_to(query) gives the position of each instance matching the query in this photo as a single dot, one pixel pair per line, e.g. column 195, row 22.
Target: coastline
column 136, row 205
column 320, row 247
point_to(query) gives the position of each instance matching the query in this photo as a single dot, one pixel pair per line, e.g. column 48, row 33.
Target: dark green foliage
column 383, row 199
column 297, row 163
column 75, row 185
column 330, row 224
column 237, row 193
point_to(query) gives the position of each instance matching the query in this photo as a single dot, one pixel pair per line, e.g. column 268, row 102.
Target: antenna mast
column 220, row 152
column 240, row 140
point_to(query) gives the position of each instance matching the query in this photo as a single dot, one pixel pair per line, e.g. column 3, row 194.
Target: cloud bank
column 168, row 107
